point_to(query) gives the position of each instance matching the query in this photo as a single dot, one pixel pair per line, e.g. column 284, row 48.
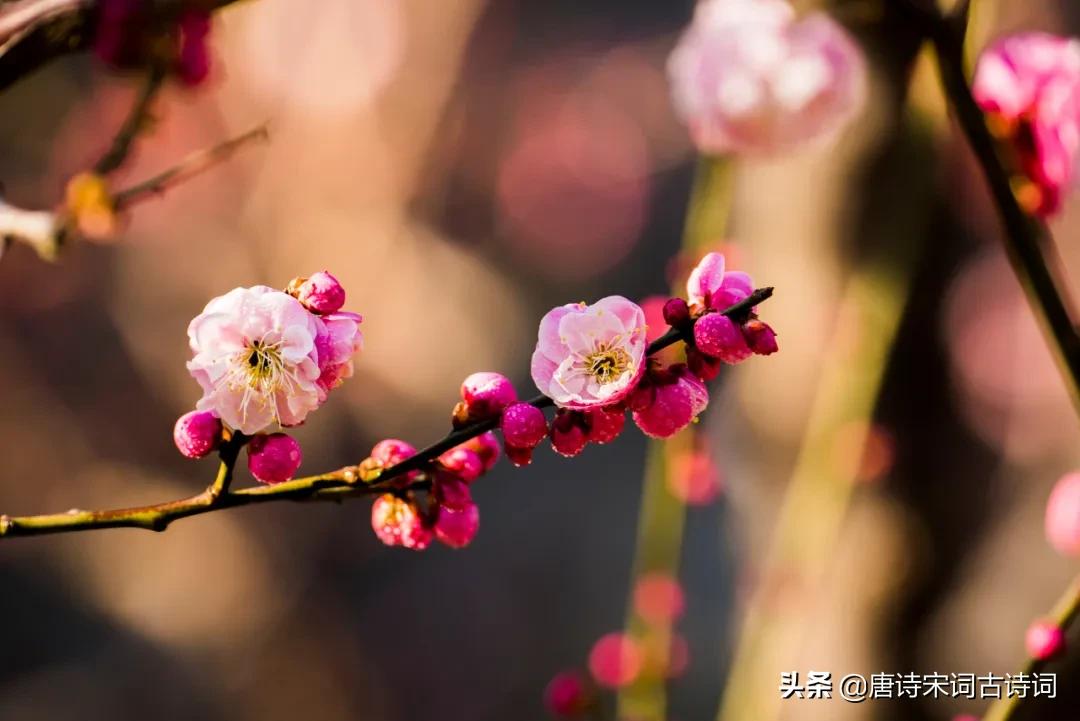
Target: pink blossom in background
column 1029, row 83
column 1063, row 516
column 590, row 355
column 695, row 479
column 616, row 660
column 1044, row 640
column 748, row 76
column 658, row 598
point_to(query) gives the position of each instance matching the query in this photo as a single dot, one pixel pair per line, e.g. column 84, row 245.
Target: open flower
column 748, row 76
column 256, row 359
column 710, row 285
column 338, row 339
column 590, row 355
column 1029, row 84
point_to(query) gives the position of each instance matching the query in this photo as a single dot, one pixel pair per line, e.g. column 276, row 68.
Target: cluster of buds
column 591, row 362
column 133, row 33
column 265, row 359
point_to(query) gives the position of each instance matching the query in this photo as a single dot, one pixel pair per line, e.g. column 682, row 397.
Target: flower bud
column 676, row 313
column 568, row 436
column 457, row 528
column 486, row 446
column 523, row 426
column 520, row 457
column 717, row 336
column 463, row 463
column 674, row 406
column 397, row 522
column 486, row 394
column 760, row 337
column 274, row 458
column 197, row 433
column 1044, row 640
column 391, row 452
column 452, row 493
column 605, row 424
column 321, row 293
column 701, row 365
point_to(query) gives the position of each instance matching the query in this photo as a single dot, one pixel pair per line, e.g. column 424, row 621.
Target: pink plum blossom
column 668, row 404
column 567, row 694
column 1030, row 84
column 457, row 528
column 717, row 336
column 256, row 359
column 486, row 394
column 1062, row 522
column 263, row 360
column 274, row 458
column 321, row 293
column 397, row 522
column 711, row 285
column 523, row 426
column 748, row 76
column 568, row 434
column 590, row 355
column 1044, row 640
column 486, row 446
column 196, row 433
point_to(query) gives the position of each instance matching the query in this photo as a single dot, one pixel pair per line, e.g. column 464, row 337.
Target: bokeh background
column 462, row 167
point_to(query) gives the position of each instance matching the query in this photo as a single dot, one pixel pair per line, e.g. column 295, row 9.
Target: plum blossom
column 711, row 285
column 1029, row 84
column 263, row 360
column 590, row 355
column 747, row 76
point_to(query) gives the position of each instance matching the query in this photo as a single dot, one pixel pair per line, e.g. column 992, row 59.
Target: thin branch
column 18, row 19
column 333, row 485
column 187, row 168
column 1026, row 238
column 135, row 123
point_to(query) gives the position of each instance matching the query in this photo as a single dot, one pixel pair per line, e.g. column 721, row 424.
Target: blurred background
column 872, row 499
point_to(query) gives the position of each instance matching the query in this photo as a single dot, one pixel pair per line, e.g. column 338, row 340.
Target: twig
column 334, row 485
column 189, row 167
column 19, row 19
column 135, row 122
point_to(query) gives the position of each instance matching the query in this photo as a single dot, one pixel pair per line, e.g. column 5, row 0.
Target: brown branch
column 333, row 485
column 135, row 123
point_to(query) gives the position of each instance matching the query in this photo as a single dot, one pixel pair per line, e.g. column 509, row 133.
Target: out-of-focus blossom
column 457, row 528
column 567, row 694
column 193, row 55
column 274, row 458
column 463, row 462
column 658, row 598
column 590, row 355
column 695, row 479
column 1029, row 84
column 749, row 77
column 486, row 446
column 1063, row 516
column 615, row 660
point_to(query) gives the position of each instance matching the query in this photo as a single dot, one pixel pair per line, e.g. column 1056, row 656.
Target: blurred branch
column 334, row 485
column 187, row 168
column 135, row 123
column 36, row 32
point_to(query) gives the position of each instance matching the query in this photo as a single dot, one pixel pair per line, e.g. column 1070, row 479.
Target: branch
column 333, row 485
column 1026, row 238
column 135, row 122
column 194, row 164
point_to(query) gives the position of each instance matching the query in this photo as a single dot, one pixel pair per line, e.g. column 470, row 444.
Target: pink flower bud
column 566, row 694
column 274, row 458
column 523, row 426
column 760, row 337
column 568, row 436
column 457, row 528
column 1044, row 640
column 674, row 406
column 701, row 365
column 520, row 457
column 452, row 493
column 486, row 446
column 1063, row 516
column 616, row 660
column 605, row 425
column 193, row 63
column 321, row 293
column 717, row 336
column 464, row 463
column 197, row 433
column 676, row 313
column 391, row 452
column 486, row 394
column 397, row 522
